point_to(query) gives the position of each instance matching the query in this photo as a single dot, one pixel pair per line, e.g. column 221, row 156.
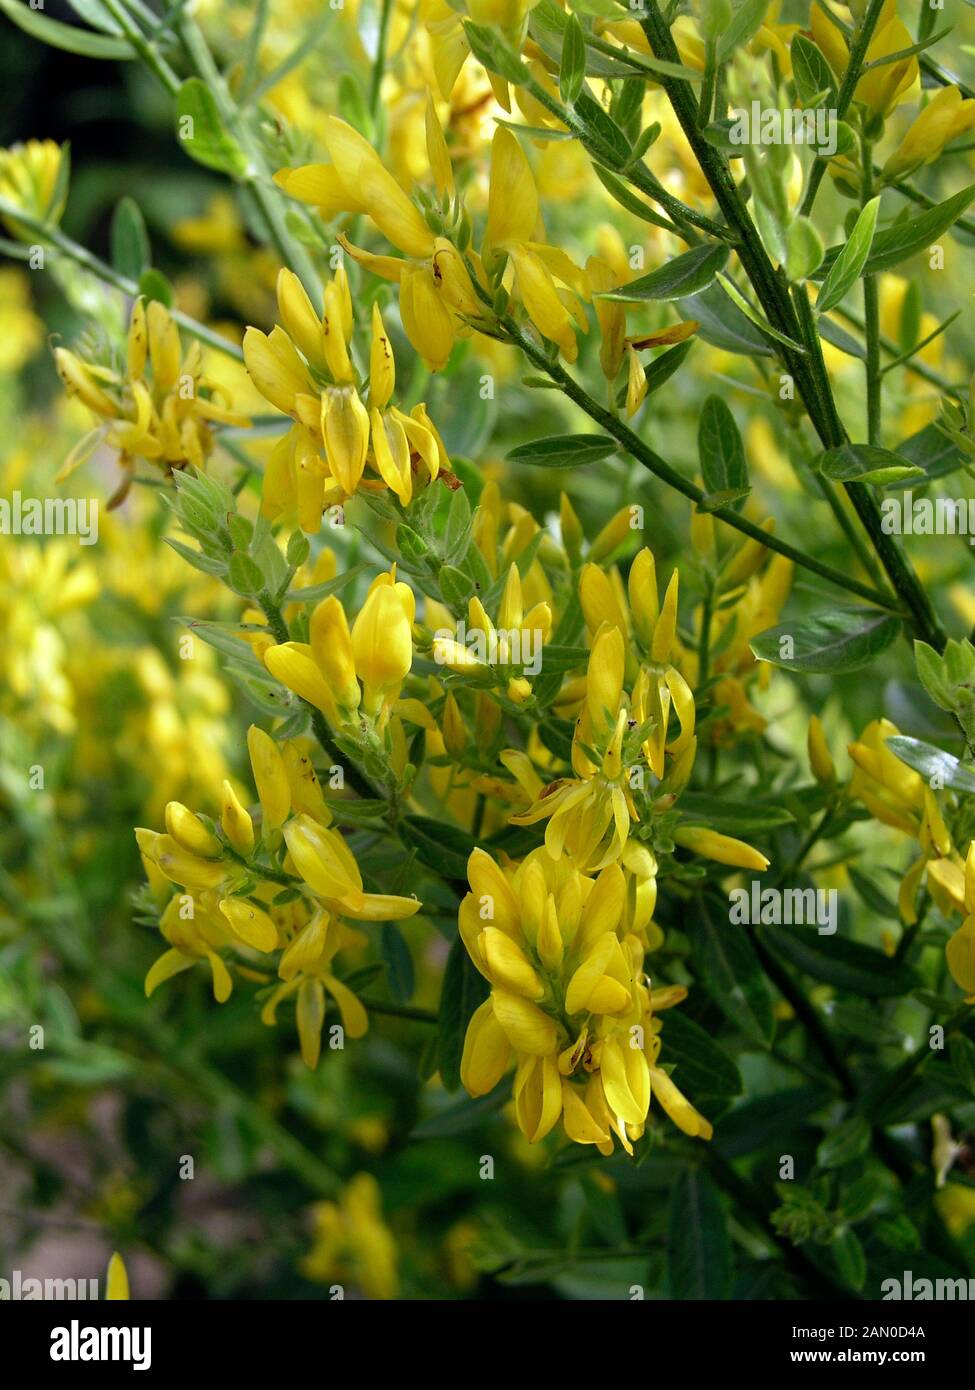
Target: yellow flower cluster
column 561, row 935
column 569, row 1003
column 160, row 408
column 352, row 675
column 285, row 886
column 446, row 287
column 351, row 1242
column 32, row 177
column 898, row 796
column 305, row 369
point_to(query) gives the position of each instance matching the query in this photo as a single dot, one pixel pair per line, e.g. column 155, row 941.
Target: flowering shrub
column 538, row 420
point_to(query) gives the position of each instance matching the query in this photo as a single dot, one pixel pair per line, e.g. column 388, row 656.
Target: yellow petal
column 527, row 1028
column 487, row 1052
column 512, row 198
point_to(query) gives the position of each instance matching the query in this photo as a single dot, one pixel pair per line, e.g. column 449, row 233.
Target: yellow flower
column 434, row 283
column 512, row 224
column 944, row 119
column 351, row 1242
column 820, row 762
column 589, row 815
column 879, row 89
column 377, row 654
column 508, row 654
column 163, row 406
column 891, row 791
column 569, row 1003
column 898, row 796
column 117, row 1279
column 305, row 369
column 231, row 907
column 444, row 24
column 33, row 177
column 723, row 849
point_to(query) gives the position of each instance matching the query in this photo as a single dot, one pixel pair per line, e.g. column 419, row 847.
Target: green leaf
column 933, row 675
column 684, row 275
column 743, row 27
column 564, row 451
column 911, row 234
column 601, row 135
column 201, row 132
column 728, row 967
column 901, row 53
column 804, row 249
column 849, row 264
column 493, row 53
column 768, row 1119
column 864, row 1023
column 666, row 69
column 843, row 639
column 961, row 1051
column 129, row 240
column 721, row 454
column 698, row 1246
column 933, row 451
column 572, row 70
column 866, row 463
column 442, row 847
column 702, row 1067
column 244, row 575
column 457, row 528
column 723, row 325
column 662, row 368
column 68, row 37
column 399, row 962
column 547, row 25
column 737, row 298
column 298, row 549
column 745, row 817
column 622, row 194
column 93, row 12
column 558, row 658
column 464, row 990
column 456, row 587
column 846, row 964
column 934, row 764
column 873, row 896
column 847, row 1142
column 812, row 73
column 462, row 1115
column 154, row 285
column 206, row 564
column 851, row 1262
column 314, row 592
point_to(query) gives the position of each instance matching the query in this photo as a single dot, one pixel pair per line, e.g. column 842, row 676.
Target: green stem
column 637, row 174
column 652, row 461
column 808, row 369
column 379, row 65
column 914, row 195
column 704, row 638
column 919, row 369
column 47, row 232
column 267, row 196
column 871, row 318
column 804, row 1010
column 899, row 571
column 858, row 52
column 385, row 1007
column 145, row 47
